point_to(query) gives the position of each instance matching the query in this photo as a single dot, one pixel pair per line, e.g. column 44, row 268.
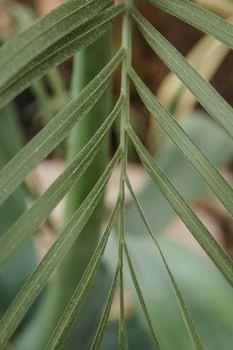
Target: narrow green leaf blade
column 104, row 319
column 64, row 242
column 59, row 52
column 200, row 162
column 141, row 298
column 198, row 17
column 81, row 292
column 25, row 46
column 195, row 337
column 40, row 210
column 199, row 231
column 47, row 139
column 123, row 342
column 209, row 98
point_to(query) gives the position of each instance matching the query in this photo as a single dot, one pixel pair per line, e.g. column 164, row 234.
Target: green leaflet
column 198, row 17
column 48, row 138
column 83, row 288
column 64, row 242
column 58, row 53
column 219, row 149
column 183, row 307
column 28, row 56
column 141, row 299
column 28, row 44
column 199, row 231
column 216, row 106
column 200, row 162
column 104, row 319
column 40, row 210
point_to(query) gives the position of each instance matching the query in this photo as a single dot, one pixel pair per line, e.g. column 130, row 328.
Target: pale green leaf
column 209, row 98
column 104, row 319
column 58, row 53
column 141, row 298
column 199, row 231
column 198, row 17
column 81, row 292
column 28, row 44
column 47, row 139
column 40, row 210
column 200, row 162
column 60, row 248
column 183, row 307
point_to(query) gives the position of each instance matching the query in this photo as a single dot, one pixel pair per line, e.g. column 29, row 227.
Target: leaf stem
column 127, row 45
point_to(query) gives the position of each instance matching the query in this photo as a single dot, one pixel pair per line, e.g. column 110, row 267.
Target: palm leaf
column 199, row 231
column 198, row 17
column 57, row 53
column 27, row 57
column 84, row 286
column 49, row 137
column 104, row 319
column 40, row 210
column 141, row 298
column 183, row 307
column 200, row 162
column 25, row 46
column 64, row 242
column 217, row 107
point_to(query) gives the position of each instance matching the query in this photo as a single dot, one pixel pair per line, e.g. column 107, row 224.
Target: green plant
column 27, row 57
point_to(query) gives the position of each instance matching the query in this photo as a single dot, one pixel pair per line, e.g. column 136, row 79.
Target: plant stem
column 126, row 44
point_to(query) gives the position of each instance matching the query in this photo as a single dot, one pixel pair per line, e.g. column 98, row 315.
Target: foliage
column 31, row 54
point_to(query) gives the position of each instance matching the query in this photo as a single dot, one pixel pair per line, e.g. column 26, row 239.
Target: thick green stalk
column 87, row 65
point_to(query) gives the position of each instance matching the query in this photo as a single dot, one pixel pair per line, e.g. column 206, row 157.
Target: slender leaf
column 81, row 292
column 219, row 149
column 47, row 139
column 141, row 298
column 199, row 231
column 216, row 106
column 26, row 45
column 59, row 52
column 64, row 242
column 200, row 162
column 40, row 210
column 104, row 319
column 198, row 17
column 123, row 342
column 183, row 307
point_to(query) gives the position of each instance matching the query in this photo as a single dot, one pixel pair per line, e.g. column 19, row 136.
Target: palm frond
column 27, row 57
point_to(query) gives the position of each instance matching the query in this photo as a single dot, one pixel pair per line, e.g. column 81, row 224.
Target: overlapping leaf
column 57, row 53
column 28, row 56
column 83, row 288
column 64, row 242
column 40, row 210
column 48, row 138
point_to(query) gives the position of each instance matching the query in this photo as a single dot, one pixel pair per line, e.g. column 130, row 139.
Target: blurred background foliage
column 207, row 294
